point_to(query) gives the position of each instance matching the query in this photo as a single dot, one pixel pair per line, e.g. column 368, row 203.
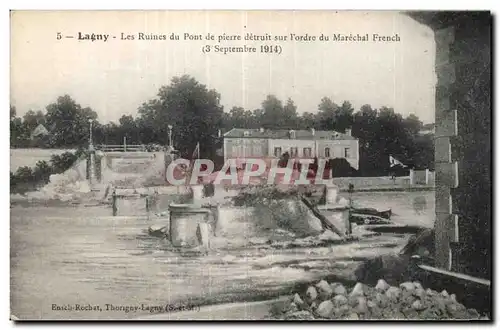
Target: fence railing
column 122, row 148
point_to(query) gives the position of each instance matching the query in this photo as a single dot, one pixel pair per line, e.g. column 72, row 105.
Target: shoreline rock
column 407, row 301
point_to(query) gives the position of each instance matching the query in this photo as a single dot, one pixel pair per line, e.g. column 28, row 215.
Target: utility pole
column 170, row 136
column 92, row 161
column 91, row 144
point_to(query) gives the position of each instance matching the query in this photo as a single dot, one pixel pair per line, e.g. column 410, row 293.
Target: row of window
column 247, row 151
column 256, row 150
column 307, row 152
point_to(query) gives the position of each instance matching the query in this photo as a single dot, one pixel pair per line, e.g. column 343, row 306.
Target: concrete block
column 184, row 224
column 445, row 74
column 456, row 250
column 446, row 175
column 442, row 150
column 331, row 194
column 442, row 241
column 446, row 123
column 454, row 228
column 443, row 200
column 442, row 55
column 442, row 98
column 449, row 222
column 444, row 37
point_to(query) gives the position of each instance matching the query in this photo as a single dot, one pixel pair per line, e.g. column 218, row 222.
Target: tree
column 109, row 133
column 258, row 114
column 327, row 114
column 365, row 125
column 366, row 129
column 128, row 129
column 344, row 116
column 19, row 136
column 308, row 120
column 147, row 121
column 196, row 115
column 290, row 117
column 272, row 113
column 384, row 132
column 32, row 119
column 194, row 112
column 413, row 124
column 240, row 118
column 68, row 123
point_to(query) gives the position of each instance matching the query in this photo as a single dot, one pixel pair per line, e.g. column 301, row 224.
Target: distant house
column 39, row 131
column 241, row 143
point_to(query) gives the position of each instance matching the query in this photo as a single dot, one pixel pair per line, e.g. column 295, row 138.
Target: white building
column 243, row 143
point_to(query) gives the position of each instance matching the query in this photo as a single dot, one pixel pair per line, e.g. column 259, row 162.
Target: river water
column 64, row 256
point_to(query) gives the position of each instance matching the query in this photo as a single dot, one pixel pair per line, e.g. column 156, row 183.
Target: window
column 257, row 150
column 347, row 153
column 277, row 152
column 307, row 152
column 294, row 152
column 327, row 152
column 245, row 150
column 234, row 151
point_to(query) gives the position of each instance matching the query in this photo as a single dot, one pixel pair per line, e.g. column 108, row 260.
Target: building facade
column 242, row 143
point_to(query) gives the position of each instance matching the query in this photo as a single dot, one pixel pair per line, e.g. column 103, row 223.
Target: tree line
column 196, row 115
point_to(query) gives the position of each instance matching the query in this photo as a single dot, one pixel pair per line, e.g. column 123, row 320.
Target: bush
column 24, row 174
column 80, row 152
column 42, row 172
column 27, row 178
column 13, row 180
column 61, row 163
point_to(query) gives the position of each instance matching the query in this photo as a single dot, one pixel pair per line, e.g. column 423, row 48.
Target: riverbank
column 381, row 184
column 392, row 189
column 247, row 311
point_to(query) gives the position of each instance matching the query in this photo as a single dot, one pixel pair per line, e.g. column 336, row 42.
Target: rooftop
column 39, row 130
column 285, row 134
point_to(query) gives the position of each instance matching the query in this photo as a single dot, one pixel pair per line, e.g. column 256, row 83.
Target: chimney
column 261, row 130
column 348, row 131
column 313, row 131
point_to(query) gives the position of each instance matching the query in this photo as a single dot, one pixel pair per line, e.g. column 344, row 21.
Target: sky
column 115, row 77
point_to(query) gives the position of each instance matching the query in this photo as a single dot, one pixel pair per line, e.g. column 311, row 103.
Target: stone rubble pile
column 409, row 301
column 64, row 187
